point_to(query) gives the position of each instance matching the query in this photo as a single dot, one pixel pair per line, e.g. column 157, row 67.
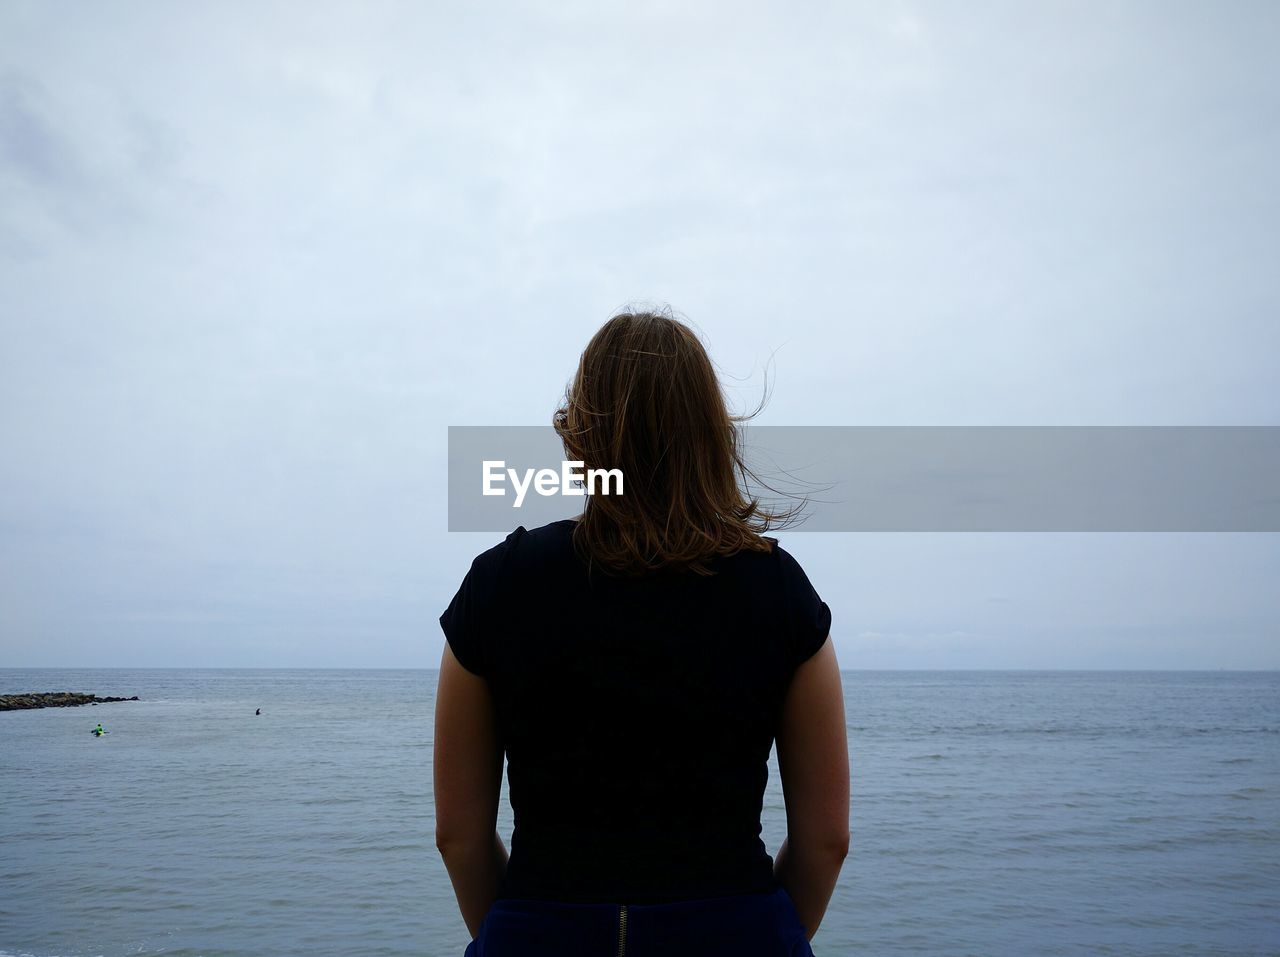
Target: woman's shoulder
column 773, row 562
column 528, row 547
column 775, row 575
column 543, row 549
column 784, row 561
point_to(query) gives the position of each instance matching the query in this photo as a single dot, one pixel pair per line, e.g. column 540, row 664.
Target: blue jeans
column 749, row 925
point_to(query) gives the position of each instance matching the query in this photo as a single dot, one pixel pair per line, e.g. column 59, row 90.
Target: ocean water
column 1072, row 813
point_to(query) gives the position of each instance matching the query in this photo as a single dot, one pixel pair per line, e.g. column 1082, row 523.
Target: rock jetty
column 52, row 699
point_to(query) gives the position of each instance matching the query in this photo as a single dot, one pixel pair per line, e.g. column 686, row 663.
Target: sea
column 993, row 813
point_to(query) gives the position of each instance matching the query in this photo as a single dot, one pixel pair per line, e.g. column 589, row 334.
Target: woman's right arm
column 813, row 759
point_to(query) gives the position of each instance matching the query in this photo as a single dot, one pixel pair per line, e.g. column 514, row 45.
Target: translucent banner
column 921, row 478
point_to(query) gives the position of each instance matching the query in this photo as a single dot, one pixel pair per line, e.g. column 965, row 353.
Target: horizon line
column 436, row 668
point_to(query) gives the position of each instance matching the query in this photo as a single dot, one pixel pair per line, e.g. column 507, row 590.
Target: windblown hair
column 646, row 400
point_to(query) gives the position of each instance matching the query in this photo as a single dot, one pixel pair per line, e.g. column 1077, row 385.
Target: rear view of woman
column 635, row 666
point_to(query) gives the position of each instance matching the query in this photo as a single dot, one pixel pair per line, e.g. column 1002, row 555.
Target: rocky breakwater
column 52, row 699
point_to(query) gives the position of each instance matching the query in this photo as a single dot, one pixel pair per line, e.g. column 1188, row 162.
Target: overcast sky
column 255, row 258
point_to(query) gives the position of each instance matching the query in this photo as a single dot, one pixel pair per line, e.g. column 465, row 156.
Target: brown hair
column 646, row 400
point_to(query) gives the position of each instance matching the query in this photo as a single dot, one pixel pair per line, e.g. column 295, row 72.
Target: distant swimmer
column 259, row 711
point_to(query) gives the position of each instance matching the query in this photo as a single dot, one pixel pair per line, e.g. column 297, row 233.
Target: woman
column 635, row 666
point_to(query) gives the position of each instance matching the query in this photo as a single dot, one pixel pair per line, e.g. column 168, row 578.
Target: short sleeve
column 472, row 622
column 809, row 618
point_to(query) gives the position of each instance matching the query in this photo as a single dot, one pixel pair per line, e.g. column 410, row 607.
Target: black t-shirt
column 637, row 715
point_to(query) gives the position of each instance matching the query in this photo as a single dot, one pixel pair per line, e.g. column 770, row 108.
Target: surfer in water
column 99, row 731
column 259, row 711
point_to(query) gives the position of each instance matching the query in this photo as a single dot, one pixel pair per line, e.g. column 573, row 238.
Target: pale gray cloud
column 254, row 260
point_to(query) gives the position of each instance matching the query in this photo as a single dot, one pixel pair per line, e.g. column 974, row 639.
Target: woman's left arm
column 468, row 786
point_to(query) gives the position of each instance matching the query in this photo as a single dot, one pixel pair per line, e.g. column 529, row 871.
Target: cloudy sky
column 255, row 258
